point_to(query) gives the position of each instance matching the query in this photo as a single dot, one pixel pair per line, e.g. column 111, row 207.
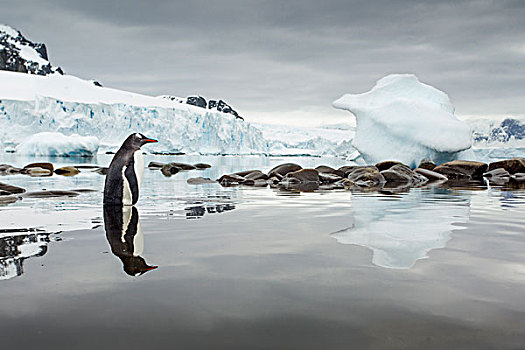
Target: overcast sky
column 286, row 61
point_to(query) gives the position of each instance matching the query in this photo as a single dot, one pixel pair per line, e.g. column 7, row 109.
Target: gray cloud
column 275, row 60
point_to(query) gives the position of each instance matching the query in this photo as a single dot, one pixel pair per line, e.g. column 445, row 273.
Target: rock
column 325, row 169
column 387, row 164
column 513, row 166
column 6, row 169
column 67, row 171
column 223, row 107
column 366, row 177
column 284, row 169
column 245, row 172
column 274, row 180
column 50, row 193
column 47, row 166
column 518, row 177
column 5, row 200
column 38, row 172
column 11, row 189
column 300, row 187
column 198, row 101
column 169, row 169
column 345, row 170
column 200, row 181
column 431, row 175
column 303, row 175
column 395, row 187
column 256, row 175
column 474, row 169
column 329, row 178
column 427, row 164
column 232, row 179
column 202, row 166
column 5, row 193
column 498, row 176
column 101, row 171
column 401, row 174
column 517, row 181
column 156, row 165
column 451, row 173
column 87, row 166
column 182, row 166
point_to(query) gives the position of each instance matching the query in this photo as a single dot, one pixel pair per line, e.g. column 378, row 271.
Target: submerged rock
column 11, row 189
column 182, row 166
column 201, row 166
column 7, row 169
column 200, row 181
column 67, row 171
column 46, row 165
column 50, row 193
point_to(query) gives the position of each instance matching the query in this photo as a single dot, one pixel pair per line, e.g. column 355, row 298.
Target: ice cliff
column 402, row 119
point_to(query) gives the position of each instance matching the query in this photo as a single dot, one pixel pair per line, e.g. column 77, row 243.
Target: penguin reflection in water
column 121, row 192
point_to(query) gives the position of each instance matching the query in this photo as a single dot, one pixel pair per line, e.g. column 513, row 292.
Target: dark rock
column 156, row 165
column 284, row 169
column 96, row 83
column 182, row 166
column 366, row 177
column 67, row 171
column 387, row 164
column 451, row 173
column 519, row 177
column 245, row 172
column 325, row 169
column 11, row 189
column 517, row 181
column 50, row 193
column 223, row 107
column 303, row 175
column 6, row 200
column 513, row 166
column 474, row 169
column 401, row 174
column 232, row 179
column 498, row 176
column 87, row 166
column 274, row 180
column 6, row 169
column 431, row 175
column 201, row 166
column 198, row 101
column 5, row 193
column 256, row 175
column 47, row 166
column 427, row 164
column 169, row 169
column 329, row 178
column 300, row 187
column 200, row 181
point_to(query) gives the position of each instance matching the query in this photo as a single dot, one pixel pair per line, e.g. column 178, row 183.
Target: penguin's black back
column 114, row 185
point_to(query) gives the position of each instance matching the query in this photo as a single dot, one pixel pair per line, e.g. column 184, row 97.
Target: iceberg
column 402, row 119
column 56, row 144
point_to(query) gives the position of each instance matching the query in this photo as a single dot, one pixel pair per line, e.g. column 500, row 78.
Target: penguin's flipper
column 130, row 175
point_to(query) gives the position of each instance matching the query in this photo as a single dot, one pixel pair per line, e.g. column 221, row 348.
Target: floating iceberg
column 56, row 144
column 403, row 119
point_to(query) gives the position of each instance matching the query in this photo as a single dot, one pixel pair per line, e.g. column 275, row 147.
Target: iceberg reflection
column 402, row 229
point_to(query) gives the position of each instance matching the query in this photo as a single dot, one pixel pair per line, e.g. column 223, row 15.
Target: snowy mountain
column 509, row 131
column 17, row 54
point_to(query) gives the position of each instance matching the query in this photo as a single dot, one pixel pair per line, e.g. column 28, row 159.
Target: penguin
column 124, row 235
column 125, row 172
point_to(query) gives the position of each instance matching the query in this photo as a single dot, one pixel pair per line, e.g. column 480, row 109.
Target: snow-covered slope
column 405, row 120
column 18, row 54
column 31, row 104
column 509, row 132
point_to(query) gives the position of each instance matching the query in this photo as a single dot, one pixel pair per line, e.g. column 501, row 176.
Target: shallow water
column 249, row 268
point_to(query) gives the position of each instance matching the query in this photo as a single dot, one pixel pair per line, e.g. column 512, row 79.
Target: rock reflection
column 124, row 234
column 401, row 229
column 198, row 211
column 16, row 247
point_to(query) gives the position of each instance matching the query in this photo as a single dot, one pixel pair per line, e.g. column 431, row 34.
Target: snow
column 8, row 30
column 58, row 145
column 403, row 119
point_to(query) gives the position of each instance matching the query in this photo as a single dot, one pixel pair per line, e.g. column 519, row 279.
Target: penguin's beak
column 149, row 140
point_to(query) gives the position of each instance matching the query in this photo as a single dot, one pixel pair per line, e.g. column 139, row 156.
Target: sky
column 285, row 62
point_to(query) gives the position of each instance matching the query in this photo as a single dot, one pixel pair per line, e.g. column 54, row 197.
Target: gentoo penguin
column 124, row 175
column 124, row 234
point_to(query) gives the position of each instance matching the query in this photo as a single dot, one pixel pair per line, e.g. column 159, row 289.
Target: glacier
column 31, row 104
column 402, row 119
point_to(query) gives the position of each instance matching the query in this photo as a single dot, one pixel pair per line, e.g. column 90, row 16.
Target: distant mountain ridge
column 493, row 131
column 18, row 54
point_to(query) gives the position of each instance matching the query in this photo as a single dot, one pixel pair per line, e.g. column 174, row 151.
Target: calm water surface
column 245, row 268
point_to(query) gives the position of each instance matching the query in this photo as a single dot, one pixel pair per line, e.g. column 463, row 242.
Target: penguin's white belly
column 127, row 198
column 138, row 166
